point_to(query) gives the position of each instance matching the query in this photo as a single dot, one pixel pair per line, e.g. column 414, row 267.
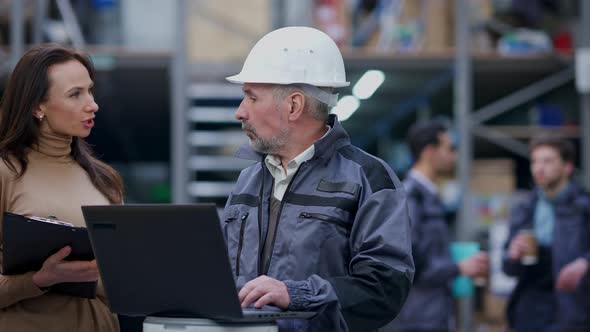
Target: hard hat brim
column 241, row 79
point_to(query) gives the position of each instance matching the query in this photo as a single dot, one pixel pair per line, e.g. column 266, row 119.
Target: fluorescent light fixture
column 346, row 106
column 368, row 84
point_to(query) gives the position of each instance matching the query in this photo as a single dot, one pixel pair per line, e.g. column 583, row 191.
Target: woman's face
column 70, row 108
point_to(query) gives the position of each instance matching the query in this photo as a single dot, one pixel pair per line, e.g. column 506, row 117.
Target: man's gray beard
column 270, row 146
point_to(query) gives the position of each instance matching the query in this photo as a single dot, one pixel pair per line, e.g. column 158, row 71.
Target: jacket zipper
column 323, row 217
column 260, row 243
column 241, row 242
column 274, row 237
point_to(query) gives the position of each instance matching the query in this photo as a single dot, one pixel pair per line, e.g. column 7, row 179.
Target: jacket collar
column 567, row 196
column 324, row 147
column 423, row 181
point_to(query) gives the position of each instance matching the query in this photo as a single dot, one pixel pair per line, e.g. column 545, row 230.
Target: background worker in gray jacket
column 315, row 224
column 429, row 306
column 554, row 293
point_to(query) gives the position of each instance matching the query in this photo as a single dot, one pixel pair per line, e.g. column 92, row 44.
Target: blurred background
column 498, row 71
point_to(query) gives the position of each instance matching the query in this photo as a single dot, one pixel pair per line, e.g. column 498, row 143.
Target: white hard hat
column 294, row 55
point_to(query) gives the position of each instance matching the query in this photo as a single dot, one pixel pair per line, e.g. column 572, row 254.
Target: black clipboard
column 28, row 241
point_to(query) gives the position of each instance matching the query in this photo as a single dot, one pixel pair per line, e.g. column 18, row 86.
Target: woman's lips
column 88, row 124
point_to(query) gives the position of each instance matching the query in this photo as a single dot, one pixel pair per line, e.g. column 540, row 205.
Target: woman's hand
column 56, row 270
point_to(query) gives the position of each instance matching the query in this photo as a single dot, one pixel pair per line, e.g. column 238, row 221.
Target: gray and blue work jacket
column 342, row 243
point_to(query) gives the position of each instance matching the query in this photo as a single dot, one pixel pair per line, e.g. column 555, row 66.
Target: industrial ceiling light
column 368, row 84
column 346, row 106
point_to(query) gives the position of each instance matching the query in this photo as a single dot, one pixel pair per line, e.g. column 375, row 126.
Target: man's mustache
column 248, row 127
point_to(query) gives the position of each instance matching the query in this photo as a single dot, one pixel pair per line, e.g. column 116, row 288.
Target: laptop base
column 164, row 324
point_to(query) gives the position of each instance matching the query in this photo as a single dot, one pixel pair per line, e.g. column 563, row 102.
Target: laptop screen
column 167, row 260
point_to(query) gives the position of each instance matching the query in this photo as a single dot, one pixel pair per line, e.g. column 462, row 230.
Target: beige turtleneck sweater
column 53, row 185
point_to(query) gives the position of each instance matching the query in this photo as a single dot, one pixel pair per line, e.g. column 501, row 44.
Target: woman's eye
column 75, row 94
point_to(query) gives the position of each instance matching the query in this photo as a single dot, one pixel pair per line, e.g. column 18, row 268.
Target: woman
column 47, row 169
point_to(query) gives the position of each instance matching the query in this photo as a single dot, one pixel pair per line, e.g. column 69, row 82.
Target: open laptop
column 168, row 261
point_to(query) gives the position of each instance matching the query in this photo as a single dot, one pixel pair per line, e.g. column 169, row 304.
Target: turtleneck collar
column 53, row 145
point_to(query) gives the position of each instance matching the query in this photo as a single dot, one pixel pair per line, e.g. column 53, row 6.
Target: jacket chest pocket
column 322, row 241
column 340, row 224
column 236, row 224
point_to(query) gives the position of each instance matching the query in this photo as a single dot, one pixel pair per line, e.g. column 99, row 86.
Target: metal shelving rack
column 470, row 123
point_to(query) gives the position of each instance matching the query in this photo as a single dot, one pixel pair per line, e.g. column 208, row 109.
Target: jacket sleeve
column 434, row 266
column 518, row 218
column 380, row 270
column 13, row 288
column 584, row 203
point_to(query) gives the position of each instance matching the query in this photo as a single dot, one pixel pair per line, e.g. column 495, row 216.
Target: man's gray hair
column 317, row 109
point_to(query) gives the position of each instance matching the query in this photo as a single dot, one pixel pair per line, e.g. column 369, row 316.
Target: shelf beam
column 39, row 21
column 463, row 95
column 522, row 96
column 178, row 88
column 71, row 23
column 17, row 34
column 502, row 139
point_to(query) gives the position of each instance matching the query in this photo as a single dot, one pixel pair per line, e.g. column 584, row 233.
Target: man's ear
column 429, row 149
column 296, row 102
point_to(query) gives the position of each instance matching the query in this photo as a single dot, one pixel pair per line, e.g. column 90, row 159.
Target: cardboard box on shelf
column 492, row 166
column 411, row 9
column 426, row 26
column 490, row 176
column 439, row 25
column 226, row 30
column 492, row 184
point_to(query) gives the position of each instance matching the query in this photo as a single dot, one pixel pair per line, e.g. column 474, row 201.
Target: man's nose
column 241, row 112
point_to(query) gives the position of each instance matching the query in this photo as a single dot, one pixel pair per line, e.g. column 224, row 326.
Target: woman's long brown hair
column 27, row 88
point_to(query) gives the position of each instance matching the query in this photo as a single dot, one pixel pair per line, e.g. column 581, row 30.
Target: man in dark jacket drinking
column 553, row 290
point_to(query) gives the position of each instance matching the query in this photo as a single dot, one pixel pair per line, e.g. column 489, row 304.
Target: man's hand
column 56, row 270
column 518, row 247
column 264, row 290
column 475, row 266
column 571, row 274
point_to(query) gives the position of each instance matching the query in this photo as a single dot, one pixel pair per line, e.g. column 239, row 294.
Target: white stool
column 163, row 324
